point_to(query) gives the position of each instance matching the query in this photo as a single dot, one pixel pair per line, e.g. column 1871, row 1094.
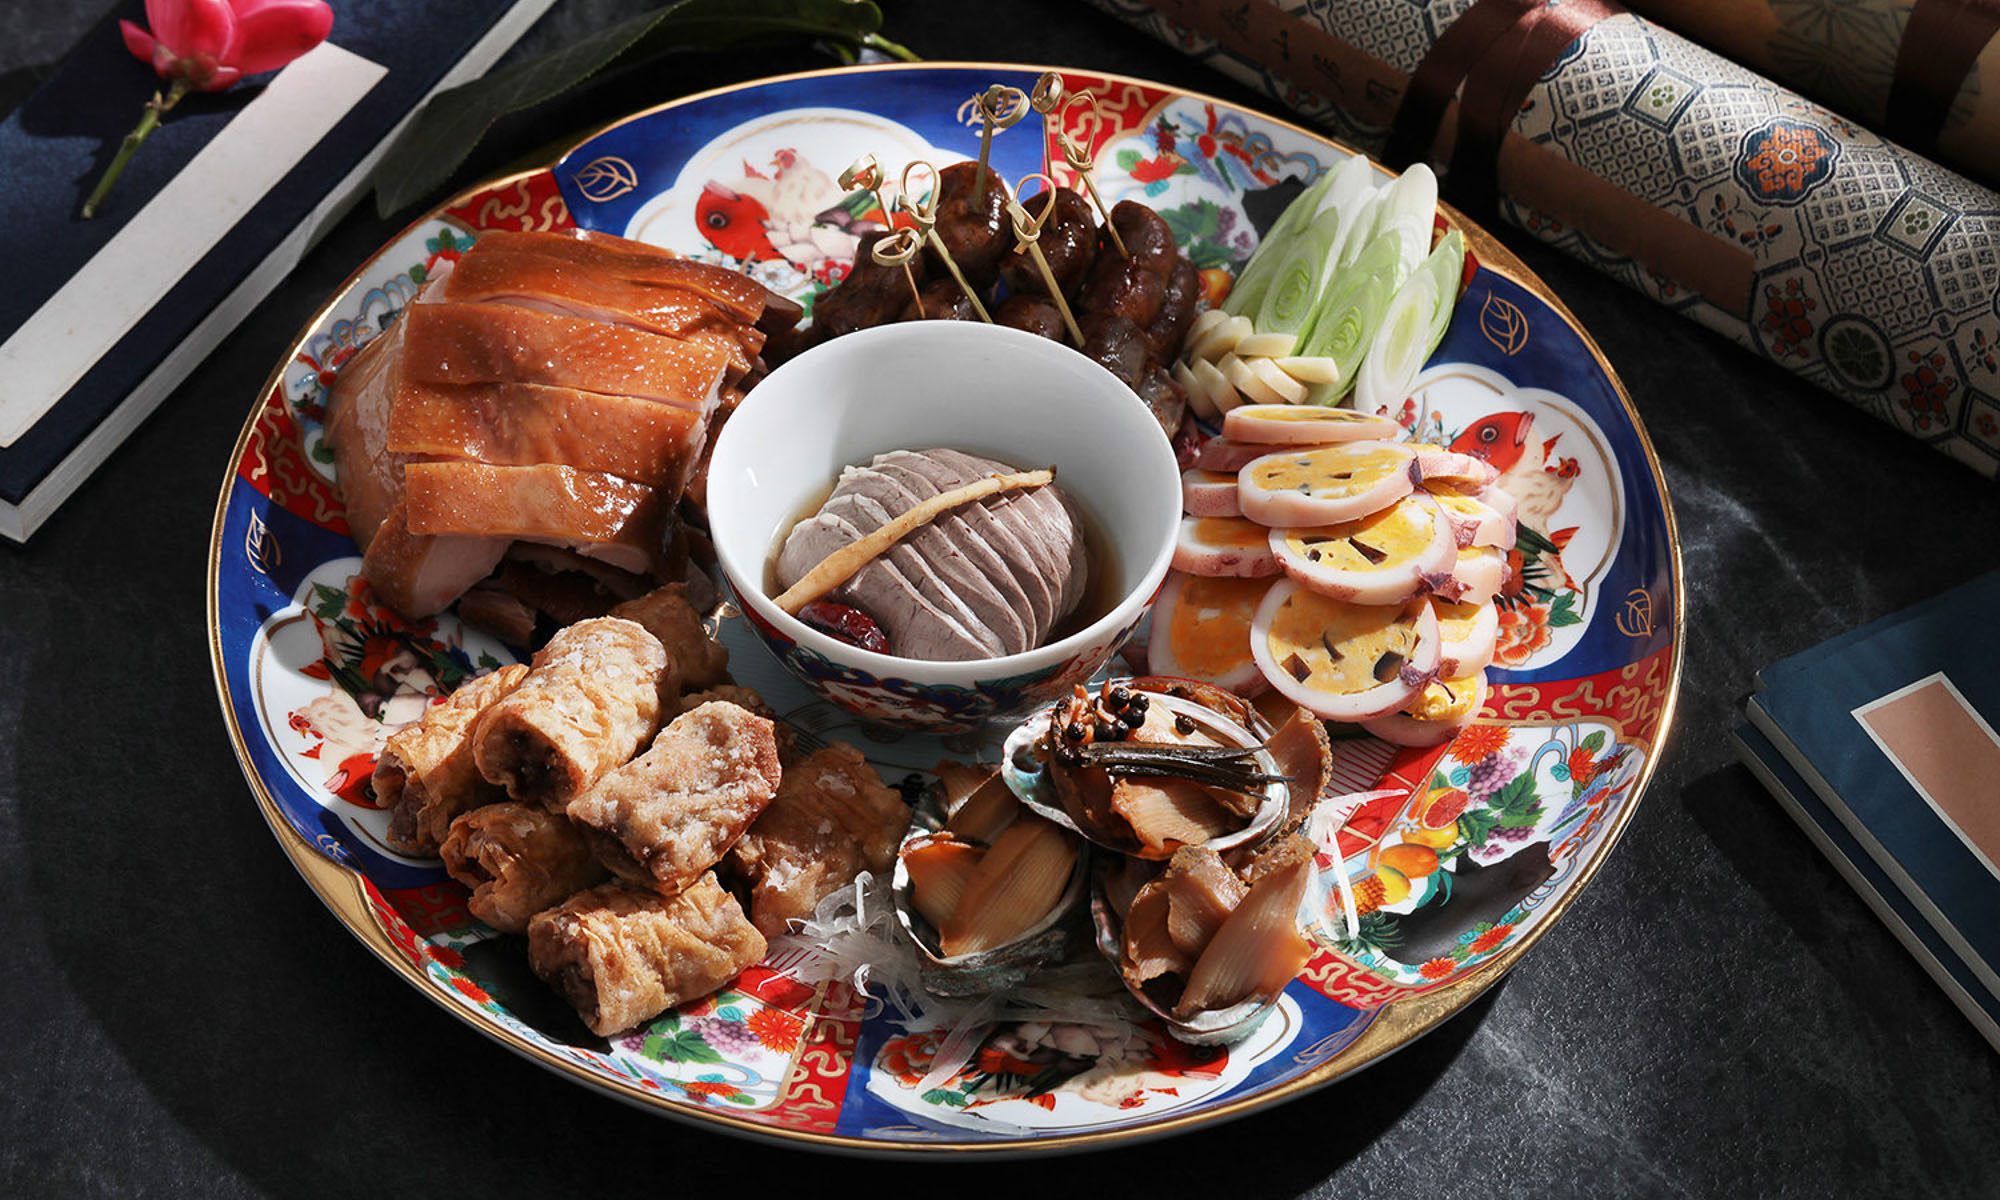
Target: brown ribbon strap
column 1941, row 45
column 1445, row 66
column 1497, row 87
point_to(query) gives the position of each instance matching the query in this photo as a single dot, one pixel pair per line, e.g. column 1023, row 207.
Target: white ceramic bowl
column 1008, row 395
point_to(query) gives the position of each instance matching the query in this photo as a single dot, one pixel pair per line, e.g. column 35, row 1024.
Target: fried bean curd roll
column 622, row 955
column 831, row 819
column 672, row 813
column 426, row 776
column 518, row 860
column 590, row 700
column 697, row 660
column 737, row 694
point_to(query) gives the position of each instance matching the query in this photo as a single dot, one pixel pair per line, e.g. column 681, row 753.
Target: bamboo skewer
column 837, row 568
column 1083, row 161
column 1028, row 231
column 924, row 213
column 999, row 107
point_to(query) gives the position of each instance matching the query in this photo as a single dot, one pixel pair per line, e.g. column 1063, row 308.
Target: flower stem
column 133, row 140
column 875, row 41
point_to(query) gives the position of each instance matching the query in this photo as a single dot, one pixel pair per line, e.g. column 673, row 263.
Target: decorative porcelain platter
column 1491, row 836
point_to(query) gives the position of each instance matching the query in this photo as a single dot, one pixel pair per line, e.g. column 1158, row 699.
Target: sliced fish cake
column 1303, row 424
column 1324, row 485
column 1346, row 662
column 1383, row 558
column 1201, row 630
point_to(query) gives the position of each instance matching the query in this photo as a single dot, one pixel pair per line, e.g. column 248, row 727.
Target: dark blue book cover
column 1892, row 727
column 1943, row 964
column 102, row 318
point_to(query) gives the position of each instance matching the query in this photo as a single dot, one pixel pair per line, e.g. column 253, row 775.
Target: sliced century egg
column 1474, row 522
column 1209, row 493
column 1324, row 485
column 1469, row 633
column 1346, row 662
column 1224, row 546
column 1306, row 424
column 1444, row 707
column 1082, row 798
column 1201, row 630
column 1382, row 558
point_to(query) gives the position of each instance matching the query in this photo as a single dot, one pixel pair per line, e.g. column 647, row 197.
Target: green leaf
column 448, row 127
column 331, row 600
column 941, row 1096
column 1516, row 797
column 1475, row 825
column 684, row 1046
column 1193, row 221
column 1563, row 612
column 486, row 662
column 1593, row 742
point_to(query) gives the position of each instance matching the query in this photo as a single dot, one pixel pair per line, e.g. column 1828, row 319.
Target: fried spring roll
column 426, row 775
column 672, row 813
column 831, row 819
column 699, row 661
column 591, row 699
column 518, row 860
column 622, row 955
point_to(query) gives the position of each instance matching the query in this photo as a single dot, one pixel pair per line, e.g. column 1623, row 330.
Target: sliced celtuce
column 1198, row 398
column 1383, row 558
column 1257, row 950
column 1289, row 425
column 939, row 868
column 1309, row 370
column 1345, row 662
column 1016, row 884
column 1325, row 485
column 1444, row 707
column 1266, row 345
column 1289, row 390
column 1201, row 893
column 1224, row 546
column 1209, row 493
column 1469, row 633
column 1248, row 382
column 1350, row 312
column 1220, row 338
column 1209, row 377
column 1201, row 630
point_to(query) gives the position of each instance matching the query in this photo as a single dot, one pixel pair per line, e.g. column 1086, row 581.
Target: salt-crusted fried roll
column 670, row 814
column 743, row 697
column 622, row 955
column 590, row 701
column 831, row 819
column 698, row 660
column 518, row 860
column 426, row 776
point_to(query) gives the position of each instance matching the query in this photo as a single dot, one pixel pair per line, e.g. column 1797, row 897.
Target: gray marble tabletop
column 1716, row 1015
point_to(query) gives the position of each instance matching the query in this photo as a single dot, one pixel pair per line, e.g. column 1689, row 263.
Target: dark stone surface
column 1717, row 1014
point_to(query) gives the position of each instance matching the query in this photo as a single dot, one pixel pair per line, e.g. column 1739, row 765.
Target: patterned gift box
column 1860, row 266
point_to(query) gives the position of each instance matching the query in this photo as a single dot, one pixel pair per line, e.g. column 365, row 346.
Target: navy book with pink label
column 102, row 318
column 1892, row 728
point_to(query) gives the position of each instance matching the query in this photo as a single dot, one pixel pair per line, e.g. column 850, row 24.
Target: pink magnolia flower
column 211, row 44
column 205, row 46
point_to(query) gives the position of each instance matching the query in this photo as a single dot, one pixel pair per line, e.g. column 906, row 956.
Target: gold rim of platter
column 1395, row 1025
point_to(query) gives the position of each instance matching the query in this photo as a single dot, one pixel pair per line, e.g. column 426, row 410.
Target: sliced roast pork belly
column 450, row 342
column 608, row 518
column 419, row 574
column 358, row 413
column 917, row 627
column 516, row 424
column 982, row 580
